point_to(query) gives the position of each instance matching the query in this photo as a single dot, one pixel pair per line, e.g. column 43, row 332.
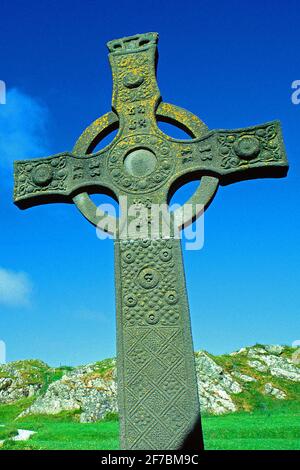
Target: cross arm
column 235, row 155
column 58, row 178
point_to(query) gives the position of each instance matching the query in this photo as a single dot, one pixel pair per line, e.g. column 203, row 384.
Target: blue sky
column 232, row 64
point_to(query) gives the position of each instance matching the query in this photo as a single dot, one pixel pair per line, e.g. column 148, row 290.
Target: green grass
column 68, row 435
column 275, row 426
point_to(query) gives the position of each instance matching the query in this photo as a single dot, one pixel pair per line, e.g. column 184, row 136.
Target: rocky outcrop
column 223, row 382
column 86, row 389
column 21, row 379
column 244, row 377
column 272, row 363
column 274, row 349
column 215, row 386
column 269, row 389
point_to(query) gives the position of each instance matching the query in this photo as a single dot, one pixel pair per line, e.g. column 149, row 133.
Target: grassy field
column 276, row 427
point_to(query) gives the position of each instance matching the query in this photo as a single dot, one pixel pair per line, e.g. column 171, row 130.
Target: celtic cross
column 157, row 386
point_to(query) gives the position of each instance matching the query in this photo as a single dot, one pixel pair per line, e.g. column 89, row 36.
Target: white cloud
column 23, row 123
column 15, row 288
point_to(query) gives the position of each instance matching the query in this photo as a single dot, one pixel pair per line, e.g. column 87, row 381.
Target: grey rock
column 269, row 389
column 282, row 367
column 255, row 351
column 16, row 382
column 274, row 349
column 5, row 383
column 82, row 389
column 240, row 351
column 273, row 363
column 244, row 377
column 258, row 366
column 214, row 386
column 296, row 356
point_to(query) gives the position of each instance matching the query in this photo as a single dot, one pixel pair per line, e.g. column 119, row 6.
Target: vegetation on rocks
column 249, row 399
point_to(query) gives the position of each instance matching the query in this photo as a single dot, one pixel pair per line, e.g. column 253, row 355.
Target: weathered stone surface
column 271, row 390
column 296, row 356
column 276, row 366
column 258, row 366
column 214, row 386
column 21, row 379
column 274, row 348
column 244, row 377
column 5, row 383
column 253, row 352
column 83, row 389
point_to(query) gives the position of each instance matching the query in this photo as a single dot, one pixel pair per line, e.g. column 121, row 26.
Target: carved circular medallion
column 148, row 278
column 133, row 164
column 247, row 147
column 165, row 254
column 140, row 162
column 171, row 297
column 128, row 256
column 42, row 174
column 130, row 300
column 133, row 80
column 145, row 243
column 152, row 317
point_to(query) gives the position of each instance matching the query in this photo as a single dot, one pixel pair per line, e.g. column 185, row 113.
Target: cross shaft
column 157, row 386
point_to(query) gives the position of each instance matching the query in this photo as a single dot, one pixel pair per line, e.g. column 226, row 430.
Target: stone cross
column 157, row 386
